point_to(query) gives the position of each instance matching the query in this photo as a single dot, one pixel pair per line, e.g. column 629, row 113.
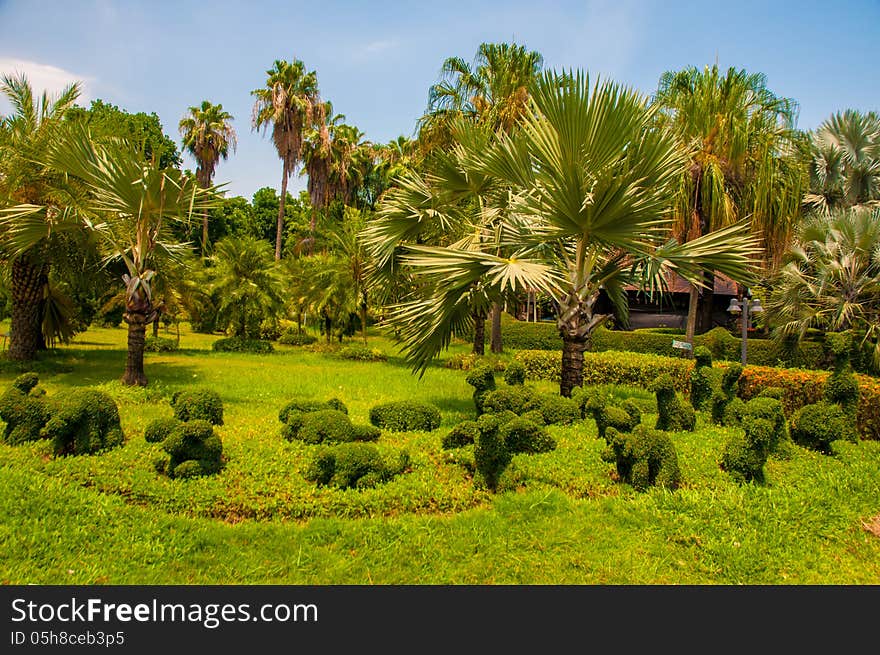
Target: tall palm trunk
column 576, row 322
column 280, row 227
column 28, row 285
column 707, row 303
column 572, row 374
column 134, row 363
column 479, row 333
column 497, row 346
column 364, row 317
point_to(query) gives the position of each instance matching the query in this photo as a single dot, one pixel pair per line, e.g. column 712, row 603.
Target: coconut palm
column 27, row 184
column 742, row 162
column 288, row 102
column 208, row 136
column 128, row 205
column 831, row 279
column 845, row 162
column 590, row 182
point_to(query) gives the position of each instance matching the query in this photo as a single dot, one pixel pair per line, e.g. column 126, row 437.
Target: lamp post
column 748, row 307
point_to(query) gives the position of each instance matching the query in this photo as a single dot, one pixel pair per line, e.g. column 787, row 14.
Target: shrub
column 702, row 378
column 365, row 433
column 764, row 429
column 643, row 458
column 721, row 344
column 518, row 399
column 816, row 426
column 159, row 429
column 324, row 425
column 491, row 456
column 354, row 465
column 362, row 354
column 160, row 345
column 198, row 403
column 193, row 449
column 25, row 410
column 515, row 374
column 85, row 421
column 673, row 414
column 770, row 410
column 243, row 345
column 463, row 434
column 592, row 403
column 559, row 410
column 292, row 337
column 482, row 379
column 469, row 361
column 405, row 416
column 521, row 435
column 841, row 387
column 293, row 421
column 305, row 406
column 270, row 330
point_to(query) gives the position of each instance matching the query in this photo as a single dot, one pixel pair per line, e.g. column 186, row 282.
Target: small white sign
column 682, row 345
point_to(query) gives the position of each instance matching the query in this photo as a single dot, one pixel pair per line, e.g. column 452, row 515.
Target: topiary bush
column 520, row 435
column 491, row 455
column 841, row 387
column 673, row 413
column 304, row 406
column 816, row 426
column 85, row 421
column 354, row 465
column 623, row 417
column 192, row 449
column 702, row 382
column 160, row 345
column 243, row 345
column 362, row 354
column 515, row 373
column 198, row 403
column 25, row 409
column 764, row 430
column 292, row 337
column 516, row 399
column 405, row 416
column 558, row 410
column 463, row 434
column 158, row 430
column 482, row 379
column 643, row 458
column 324, row 425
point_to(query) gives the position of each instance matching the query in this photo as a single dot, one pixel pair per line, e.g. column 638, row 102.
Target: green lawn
column 562, row 518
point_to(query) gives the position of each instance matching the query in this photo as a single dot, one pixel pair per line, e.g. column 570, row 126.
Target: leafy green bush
column 270, row 330
column 673, row 413
column 463, row 434
column 362, row 354
column 491, row 456
column 325, row 425
column 521, row 435
column 817, row 425
column 515, row 374
column 469, row 361
column 304, row 406
column 85, row 421
column 764, row 429
column 193, row 449
column 25, row 410
column 243, row 345
column 292, row 337
column 702, row 378
column 609, row 368
column 643, row 458
column 841, row 387
column 198, row 403
column 558, row 410
column 517, row 399
column 482, row 379
column 405, row 416
column 160, row 345
column 158, row 430
column 594, row 404
column 354, row 465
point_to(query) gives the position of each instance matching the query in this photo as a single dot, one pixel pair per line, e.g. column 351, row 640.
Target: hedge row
column 521, row 335
column 801, row 387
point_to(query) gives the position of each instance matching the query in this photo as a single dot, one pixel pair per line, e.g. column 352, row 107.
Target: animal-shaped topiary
column 702, row 380
column 515, row 373
column 198, row 403
column 85, row 421
column 764, row 429
column 673, row 414
column 623, row 417
column 516, row 399
column 354, row 465
column 643, row 458
column 405, row 416
column 841, row 387
column 726, row 395
column 25, row 409
column 192, row 449
column 482, row 379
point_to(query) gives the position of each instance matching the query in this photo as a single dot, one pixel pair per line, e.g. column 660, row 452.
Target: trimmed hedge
column 25, row 410
column 643, row 458
column 361, row 353
column 291, row 337
column 242, row 345
column 354, row 466
column 305, row 406
column 405, row 416
column 198, row 403
column 160, row 345
column 86, row 421
column 192, row 449
column 801, row 387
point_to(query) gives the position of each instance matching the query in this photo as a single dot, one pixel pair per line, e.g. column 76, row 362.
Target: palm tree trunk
column 706, row 303
column 364, row 321
column 28, row 284
column 156, row 328
column 497, row 346
column 572, row 374
column 134, row 364
column 280, row 227
column 691, row 328
column 479, row 334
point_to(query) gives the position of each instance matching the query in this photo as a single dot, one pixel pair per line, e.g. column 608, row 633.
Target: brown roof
column 724, row 286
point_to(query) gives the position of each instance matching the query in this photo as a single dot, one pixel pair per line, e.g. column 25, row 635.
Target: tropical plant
column 247, row 284
column 31, row 200
column 590, row 182
column 288, row 102
column 831, row 279
column 845, row 162
column 742, row 163
column 208, row 136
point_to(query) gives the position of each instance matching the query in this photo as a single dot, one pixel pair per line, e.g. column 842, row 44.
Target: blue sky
column 376, row 60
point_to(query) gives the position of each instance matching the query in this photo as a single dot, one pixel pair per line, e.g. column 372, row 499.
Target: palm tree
column 27, row 184
column 128, row 205
column 208, row 136
column 290, row 103
column 845, row 162
column 590, row 182
column 831, row 279
column 742, row 161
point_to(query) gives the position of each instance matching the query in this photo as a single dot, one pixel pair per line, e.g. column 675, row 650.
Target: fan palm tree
column 591, row 181
column 27, row 184
column 845, row 162
column 289, row 102
column 128, row 206
column 208, row 136
column 742, row 162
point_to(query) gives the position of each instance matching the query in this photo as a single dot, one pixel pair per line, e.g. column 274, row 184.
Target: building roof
column 724, row 286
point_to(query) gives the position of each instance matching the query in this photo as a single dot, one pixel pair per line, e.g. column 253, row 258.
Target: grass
column 562, row 519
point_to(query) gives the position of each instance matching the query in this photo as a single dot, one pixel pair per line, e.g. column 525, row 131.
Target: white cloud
column 44, row 77
column 376, row 48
